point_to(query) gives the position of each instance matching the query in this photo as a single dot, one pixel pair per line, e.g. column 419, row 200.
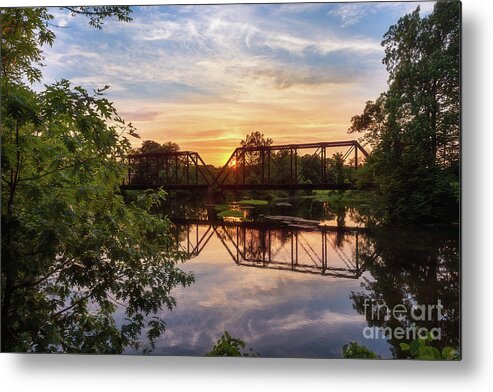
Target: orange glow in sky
column 232, row 163
column 206, row 76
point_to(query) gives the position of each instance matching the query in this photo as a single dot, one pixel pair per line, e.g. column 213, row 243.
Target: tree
column 72, row 251
column 252, row 159
column 228, row 346
column 372, row 121
column 336, row 167
column 310, row 168
column 150, row 146
column 151, row 170
column 414, row 126
column 256, row 139
column 26, row 30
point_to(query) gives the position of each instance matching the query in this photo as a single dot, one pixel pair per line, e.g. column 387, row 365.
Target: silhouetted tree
column 256, row 139
column 150, row 146
column 252, row 159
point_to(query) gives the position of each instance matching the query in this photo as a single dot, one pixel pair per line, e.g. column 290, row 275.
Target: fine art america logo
column 378, row 311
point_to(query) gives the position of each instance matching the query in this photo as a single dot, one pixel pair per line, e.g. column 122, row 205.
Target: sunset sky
column 205, row 76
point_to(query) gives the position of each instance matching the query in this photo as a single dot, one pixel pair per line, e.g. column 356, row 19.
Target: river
column 303, row 280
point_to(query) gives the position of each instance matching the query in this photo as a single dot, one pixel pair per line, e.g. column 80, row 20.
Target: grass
column 230, row 214
column 221, row 207
column 253, row 202
column 225, row 210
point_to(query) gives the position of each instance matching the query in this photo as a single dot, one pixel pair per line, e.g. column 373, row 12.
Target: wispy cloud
column 285, row 78
column 351, row 13
column 204, row 76
column 354, row 13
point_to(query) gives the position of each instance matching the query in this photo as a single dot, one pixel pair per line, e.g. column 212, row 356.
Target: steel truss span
column 290, row 166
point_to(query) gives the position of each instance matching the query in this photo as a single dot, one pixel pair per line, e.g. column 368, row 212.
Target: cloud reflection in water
column 278, row 313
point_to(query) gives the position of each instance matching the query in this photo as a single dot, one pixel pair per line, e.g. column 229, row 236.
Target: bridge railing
column 180, row 169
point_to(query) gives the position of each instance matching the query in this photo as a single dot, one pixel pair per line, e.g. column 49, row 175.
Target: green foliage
column 230, row 213
column 455, row 187
column 26, row 30
column 97, row 15
column 73, row 252
column 413, row 127
column 253, row 202
column 353, row 350
column 422, row 349
column 417, row 349
column 228, row 346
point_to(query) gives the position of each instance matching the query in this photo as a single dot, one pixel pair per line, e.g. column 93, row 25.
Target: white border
column 122, row 373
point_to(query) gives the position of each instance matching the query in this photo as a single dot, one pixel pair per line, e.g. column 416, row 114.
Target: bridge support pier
column 214, row 196
column 211, row 199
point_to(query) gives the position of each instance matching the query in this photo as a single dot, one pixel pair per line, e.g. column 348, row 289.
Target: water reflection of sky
column 277, row 313
column 351, row 219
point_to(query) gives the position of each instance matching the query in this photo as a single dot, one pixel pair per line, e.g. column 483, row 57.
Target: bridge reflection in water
column 320, row 250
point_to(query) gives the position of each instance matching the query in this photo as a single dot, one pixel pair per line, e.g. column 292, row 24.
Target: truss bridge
column 324, row 165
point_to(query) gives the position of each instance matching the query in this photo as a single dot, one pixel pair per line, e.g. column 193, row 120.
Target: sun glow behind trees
column 204, row 76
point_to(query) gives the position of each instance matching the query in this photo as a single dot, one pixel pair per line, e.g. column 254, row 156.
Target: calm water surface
column 296, row 288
